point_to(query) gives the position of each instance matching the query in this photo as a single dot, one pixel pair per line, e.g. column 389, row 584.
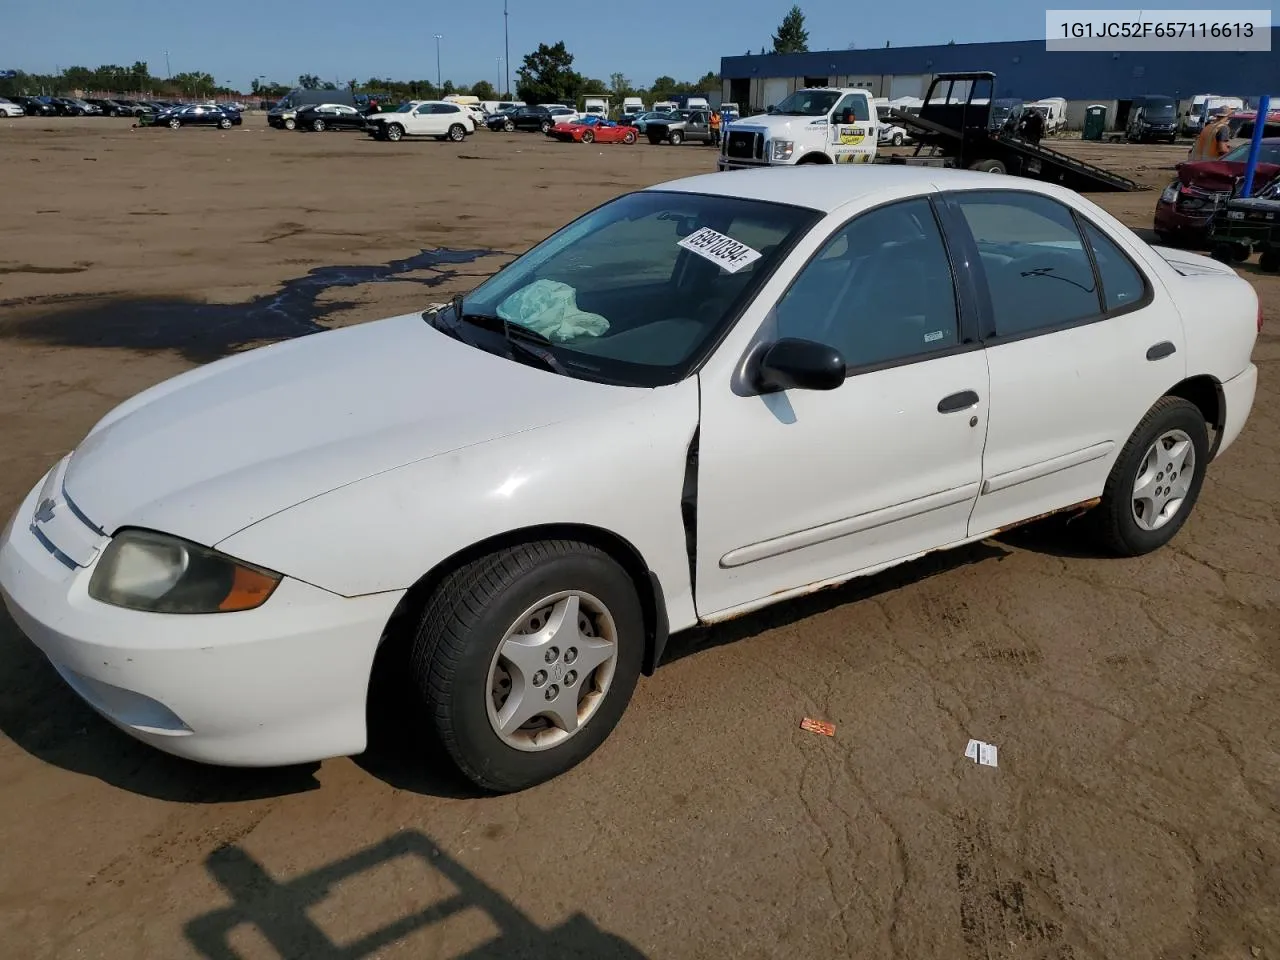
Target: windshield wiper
column 523, row 343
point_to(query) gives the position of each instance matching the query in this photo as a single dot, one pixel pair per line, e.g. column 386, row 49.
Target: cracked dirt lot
column 1134, row 814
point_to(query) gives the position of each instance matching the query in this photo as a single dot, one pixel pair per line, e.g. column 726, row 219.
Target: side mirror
column 794, row 364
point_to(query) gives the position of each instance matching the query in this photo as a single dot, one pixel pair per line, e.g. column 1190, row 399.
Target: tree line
column 545, row 76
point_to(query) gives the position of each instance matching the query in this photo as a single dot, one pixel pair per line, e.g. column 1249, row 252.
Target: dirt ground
column 1135, row 812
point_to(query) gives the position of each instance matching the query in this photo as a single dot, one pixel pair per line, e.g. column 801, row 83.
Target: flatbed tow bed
column 951, row 132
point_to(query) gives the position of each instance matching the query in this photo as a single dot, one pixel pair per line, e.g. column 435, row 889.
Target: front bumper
column 728, row 163
column 282, row 684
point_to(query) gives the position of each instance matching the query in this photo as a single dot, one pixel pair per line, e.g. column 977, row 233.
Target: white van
column 1054, row 111
column 1201, row 108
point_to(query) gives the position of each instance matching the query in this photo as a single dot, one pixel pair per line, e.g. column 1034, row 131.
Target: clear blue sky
column 339, row 39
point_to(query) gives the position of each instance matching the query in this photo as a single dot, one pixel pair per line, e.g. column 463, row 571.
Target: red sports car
column 1188, row 204
column 593, row 132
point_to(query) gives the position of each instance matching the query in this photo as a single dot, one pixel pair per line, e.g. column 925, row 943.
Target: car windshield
column 638, row 290
column 808, row 103
column 405, row 108
column 1268, row 152
column 1160, row 111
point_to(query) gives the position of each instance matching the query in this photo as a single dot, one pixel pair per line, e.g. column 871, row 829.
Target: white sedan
column 694, row 401
column 423, row 118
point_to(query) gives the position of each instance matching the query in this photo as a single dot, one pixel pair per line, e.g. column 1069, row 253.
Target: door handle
column 1161, row 350
column 958, row 401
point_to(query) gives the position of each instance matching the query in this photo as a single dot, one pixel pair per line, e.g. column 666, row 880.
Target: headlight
column 141, row 570
column 1170, row 194
column 782, row 149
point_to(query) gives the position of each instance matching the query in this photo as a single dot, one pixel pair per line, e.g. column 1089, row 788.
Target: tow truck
column 955, row 129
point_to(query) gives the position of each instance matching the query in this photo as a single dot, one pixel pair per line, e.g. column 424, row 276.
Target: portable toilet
column 1095, row 121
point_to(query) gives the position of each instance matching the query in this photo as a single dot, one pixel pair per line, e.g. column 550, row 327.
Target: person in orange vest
column 715, row 127
column 1214, row 141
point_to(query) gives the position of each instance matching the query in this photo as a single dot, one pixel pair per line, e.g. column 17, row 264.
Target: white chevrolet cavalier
column 692, row 402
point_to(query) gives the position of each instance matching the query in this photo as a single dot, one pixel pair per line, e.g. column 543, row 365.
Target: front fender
column 621, row 471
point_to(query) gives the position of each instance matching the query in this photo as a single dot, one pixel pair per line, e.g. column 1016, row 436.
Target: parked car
column 523, row 118
column 1152, row 119
column 641, row 122
column 890, row 134
column 132, row 108
column 692, row 125
column 36, row 106
column 785, row 411
column 330, row 116
column 1188, row 204
column 584, row 130
column 422, row 118
column 10, row 109
column 75, row 107
column 199, row 115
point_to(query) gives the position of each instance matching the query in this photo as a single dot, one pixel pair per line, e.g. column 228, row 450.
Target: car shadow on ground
column 203, row 332
column 281, row 911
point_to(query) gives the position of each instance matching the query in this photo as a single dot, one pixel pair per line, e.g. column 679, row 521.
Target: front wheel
column 175, row 123
column 546, row 126
column 457, row 133
column 290, row 124
column 317, row 125
column 508, row 126
column 897, row 139
column 394, row 132
column 525, row 660
column 676, row 138
column 1155, row 481
column 629, row 137
column 224, row 123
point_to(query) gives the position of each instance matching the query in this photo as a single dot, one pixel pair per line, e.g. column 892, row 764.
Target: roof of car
column 827, row 187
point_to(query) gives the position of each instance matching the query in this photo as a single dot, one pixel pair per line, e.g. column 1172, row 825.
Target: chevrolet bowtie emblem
column 44, row 512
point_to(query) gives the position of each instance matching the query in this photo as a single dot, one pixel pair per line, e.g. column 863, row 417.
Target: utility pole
column 168, row 71
column 500, row 63
column 506, row 49
column 439, row 82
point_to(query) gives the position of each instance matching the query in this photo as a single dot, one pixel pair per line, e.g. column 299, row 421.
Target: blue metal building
column 1023, row 68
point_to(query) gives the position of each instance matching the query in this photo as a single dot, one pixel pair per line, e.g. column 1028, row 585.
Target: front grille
column 744, row 145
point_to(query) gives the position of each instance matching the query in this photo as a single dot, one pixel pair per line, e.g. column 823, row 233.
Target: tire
column 317, row 125
column 545, row 127
column 675, row 138
column 290, row 123
column 175, row 123
column 1127, row 525
column 1269, row 261
column 457, row 133
column 224, row 124
column 987, row 166
column 462, row 683
column 897, row 140
column 508, row 126
column 588, row 136
column 629, row 137
column 394, row 132
column 655, row 139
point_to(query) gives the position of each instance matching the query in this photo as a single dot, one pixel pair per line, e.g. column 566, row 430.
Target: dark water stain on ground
column 202, row 332
column 32, row 268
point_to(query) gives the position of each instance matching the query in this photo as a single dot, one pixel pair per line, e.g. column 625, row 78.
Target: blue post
column 1259, row 125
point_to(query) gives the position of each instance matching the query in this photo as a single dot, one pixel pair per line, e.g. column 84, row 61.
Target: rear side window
column 1038, row 271
column 1122, row 284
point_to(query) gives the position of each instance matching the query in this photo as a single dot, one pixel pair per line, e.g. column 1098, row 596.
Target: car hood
column 216, row 449
column 1219, row 176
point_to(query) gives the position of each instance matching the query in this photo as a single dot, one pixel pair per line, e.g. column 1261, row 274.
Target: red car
column 1187, row 205
column 580, row 132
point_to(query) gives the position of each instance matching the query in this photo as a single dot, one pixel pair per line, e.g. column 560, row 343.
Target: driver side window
column 854, row 104
column 879, row 291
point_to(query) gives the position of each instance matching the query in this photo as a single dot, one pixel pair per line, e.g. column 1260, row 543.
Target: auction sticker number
column 730, row 254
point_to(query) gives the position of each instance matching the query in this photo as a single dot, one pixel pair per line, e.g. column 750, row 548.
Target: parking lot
column 1135, row 811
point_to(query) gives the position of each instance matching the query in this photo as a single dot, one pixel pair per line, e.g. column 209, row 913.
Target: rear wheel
column 317, row 125
column 588, row 136
column 897, row 139
column 675, row 137
column 508, row 126
column 987, row 166
column 175, row 123
column 1155, row 481
column 525, row 660
column 546, row 126
column 224, row 123
column 457, row 133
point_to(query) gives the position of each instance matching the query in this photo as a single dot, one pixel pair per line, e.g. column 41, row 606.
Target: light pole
column 168, row 71
column 506, row 49
column 500, row 63
column 439, row 81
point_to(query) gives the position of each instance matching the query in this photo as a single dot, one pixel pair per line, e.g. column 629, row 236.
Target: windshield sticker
column 725, row 251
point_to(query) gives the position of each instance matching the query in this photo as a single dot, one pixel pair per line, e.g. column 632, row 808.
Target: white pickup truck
column 813, row 125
